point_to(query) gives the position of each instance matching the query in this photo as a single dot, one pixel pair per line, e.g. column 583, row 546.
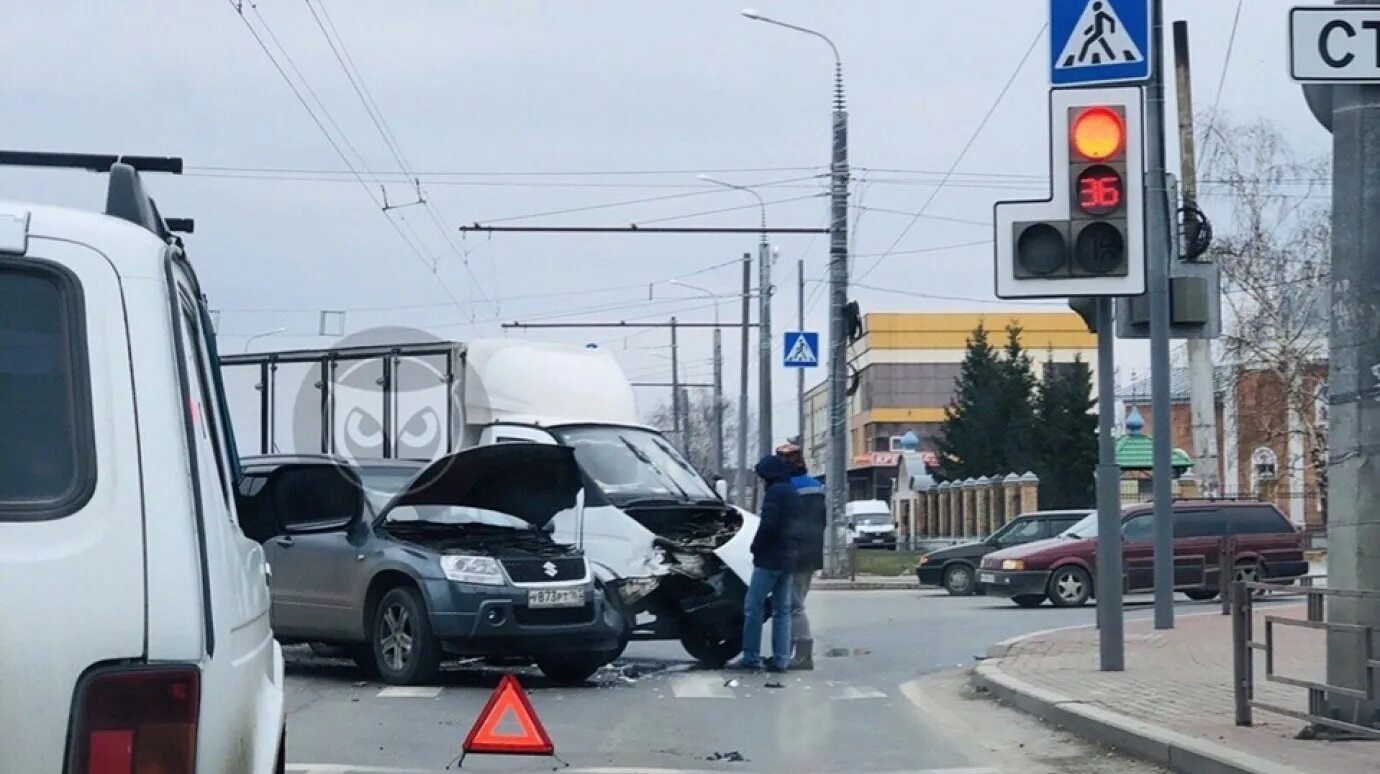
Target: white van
column 135, row 632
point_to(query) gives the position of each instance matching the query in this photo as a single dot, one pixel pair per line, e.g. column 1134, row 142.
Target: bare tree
column 1275, row 254
column 698, row 444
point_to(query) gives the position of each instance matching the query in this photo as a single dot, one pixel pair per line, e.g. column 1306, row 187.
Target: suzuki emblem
column 549, row 569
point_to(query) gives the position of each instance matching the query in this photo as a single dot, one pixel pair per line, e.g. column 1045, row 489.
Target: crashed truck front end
column 677, row 554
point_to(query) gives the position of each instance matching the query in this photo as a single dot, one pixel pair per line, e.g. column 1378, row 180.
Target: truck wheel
column 1069, row 587
column 571, row 668
column 1028, row 600
column 711, row 647
column 958, row 579
column 405, row 651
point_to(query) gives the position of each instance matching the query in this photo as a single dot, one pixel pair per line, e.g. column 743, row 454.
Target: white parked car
column 135, row 633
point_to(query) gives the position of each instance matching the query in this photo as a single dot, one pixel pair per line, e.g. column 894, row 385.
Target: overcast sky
column 608, row 101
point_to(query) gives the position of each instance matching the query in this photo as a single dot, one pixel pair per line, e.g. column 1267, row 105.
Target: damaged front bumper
column 473, row 620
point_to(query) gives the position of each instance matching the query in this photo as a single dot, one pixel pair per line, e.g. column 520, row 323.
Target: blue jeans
column 777, row 583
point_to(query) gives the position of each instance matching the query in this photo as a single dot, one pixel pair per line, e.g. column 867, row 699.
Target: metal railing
column 1244, row 647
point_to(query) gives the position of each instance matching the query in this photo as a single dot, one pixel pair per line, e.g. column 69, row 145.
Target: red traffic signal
column 1098, row 133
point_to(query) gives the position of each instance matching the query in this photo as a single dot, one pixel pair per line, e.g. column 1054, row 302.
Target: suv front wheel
column 1069, row 586
column 405, row 650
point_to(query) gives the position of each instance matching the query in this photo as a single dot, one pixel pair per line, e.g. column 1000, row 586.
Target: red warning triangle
column 508, row 700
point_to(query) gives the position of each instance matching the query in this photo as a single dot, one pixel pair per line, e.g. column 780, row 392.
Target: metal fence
column 1245, row 646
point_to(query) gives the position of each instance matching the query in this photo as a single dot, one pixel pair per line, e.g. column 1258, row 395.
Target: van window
column 1137, row 528
column 47, row 457
column 206, row 421
column 1199, row 523
column 1258, row 520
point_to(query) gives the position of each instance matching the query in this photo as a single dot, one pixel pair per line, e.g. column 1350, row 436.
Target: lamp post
column 837, row 476
column 265, row 334
column 718, row 376
column 764, row 401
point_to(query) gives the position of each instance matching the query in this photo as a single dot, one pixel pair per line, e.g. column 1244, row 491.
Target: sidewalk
column 1173, row 704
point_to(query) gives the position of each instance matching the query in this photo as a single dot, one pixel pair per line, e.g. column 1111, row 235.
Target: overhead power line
column 972, row 139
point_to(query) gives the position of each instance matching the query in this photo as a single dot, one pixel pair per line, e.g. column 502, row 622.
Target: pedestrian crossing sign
column 1099, row 41
column 802, row 349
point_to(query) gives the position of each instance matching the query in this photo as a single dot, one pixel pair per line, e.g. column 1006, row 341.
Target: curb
column 832, row 585
column 1171, row 749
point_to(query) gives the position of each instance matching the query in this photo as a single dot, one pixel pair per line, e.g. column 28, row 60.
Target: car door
column 1197, row 547
column 1138, row 551
column 312, row 555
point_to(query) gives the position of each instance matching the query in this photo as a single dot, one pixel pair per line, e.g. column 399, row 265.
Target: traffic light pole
column 1111, row 645
column 1157, row 234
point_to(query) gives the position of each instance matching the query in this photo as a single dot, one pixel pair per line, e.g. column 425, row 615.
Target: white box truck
column 665, row 543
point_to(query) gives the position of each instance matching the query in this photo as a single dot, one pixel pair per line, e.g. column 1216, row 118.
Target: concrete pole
column 1353, row 500
column 1201, row 387
column 677, row 415
column 800, row 372
column 740, row 478
column 764, row 364
column 718, row 395
column 837, row 479
column 1111, row 643
column 1157, row 254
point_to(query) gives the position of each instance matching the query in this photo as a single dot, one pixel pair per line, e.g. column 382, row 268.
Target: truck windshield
column 630, row 463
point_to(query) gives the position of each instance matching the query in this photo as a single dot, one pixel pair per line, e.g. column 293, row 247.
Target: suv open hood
column 531, row 481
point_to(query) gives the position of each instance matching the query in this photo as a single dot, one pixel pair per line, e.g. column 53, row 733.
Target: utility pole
column 836, row 479
column 741, row 476
column 678, row 417
column 718, row 396
column 800, row 372
column 1353, row 505
column 1202, row 389
column 764, row 364
column 1157, row 256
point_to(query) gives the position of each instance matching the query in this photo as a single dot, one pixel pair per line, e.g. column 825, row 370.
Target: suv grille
column 541, row 570
column 553, row 616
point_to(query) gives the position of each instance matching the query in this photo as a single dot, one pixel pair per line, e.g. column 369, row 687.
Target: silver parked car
column 403, row 564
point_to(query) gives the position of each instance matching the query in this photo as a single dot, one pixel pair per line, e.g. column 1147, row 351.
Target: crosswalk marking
column 850, row 692
column 715, row 686
column 410, row 692
column 701, row 687
column 335, row 768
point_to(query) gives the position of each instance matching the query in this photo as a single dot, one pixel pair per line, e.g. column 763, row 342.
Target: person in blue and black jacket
column 773, row 568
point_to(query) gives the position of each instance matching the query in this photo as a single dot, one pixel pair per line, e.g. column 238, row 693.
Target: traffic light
column 1088, row 237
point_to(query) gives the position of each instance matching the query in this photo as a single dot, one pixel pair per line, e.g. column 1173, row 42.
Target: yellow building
column 906, row 366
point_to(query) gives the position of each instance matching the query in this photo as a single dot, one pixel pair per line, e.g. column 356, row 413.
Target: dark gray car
column 403, row 564
column 955, row 567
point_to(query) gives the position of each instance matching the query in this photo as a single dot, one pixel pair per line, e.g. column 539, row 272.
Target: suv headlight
column 483, row 570
column 1013, row 564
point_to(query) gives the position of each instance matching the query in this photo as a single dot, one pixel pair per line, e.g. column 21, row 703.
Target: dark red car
column 1061, row 569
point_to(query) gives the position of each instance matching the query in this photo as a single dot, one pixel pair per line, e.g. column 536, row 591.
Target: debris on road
column 732, row 756
column 774, row 685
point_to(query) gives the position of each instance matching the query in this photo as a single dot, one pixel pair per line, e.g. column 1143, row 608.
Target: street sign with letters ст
column 1335, row 44
column 1099, row 41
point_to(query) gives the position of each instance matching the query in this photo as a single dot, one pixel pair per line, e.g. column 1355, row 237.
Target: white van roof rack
column 125, row 196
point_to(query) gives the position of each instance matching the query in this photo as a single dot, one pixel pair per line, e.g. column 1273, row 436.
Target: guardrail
column 1244, row 647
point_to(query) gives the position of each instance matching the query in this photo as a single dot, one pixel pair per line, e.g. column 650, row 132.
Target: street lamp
column 837, row 476
column 251, row 339
column 764, row 368
column 718, row 376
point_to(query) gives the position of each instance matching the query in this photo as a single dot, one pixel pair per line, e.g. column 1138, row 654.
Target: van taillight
column 140, row 720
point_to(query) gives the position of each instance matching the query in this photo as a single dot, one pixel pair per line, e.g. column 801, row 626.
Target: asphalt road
column 885, row 697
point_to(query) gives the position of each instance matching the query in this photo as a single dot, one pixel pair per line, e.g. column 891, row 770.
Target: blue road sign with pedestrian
column 1098, row 41
column 801, row 349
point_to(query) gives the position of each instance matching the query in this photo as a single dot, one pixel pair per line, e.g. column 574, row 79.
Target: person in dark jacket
column 809, row 543
column 773, row 566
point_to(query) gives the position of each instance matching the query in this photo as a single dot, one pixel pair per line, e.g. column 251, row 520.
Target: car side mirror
column 721, row 489
column 315, row 497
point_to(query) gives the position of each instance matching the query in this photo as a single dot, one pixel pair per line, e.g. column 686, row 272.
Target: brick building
column 1264, row 448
